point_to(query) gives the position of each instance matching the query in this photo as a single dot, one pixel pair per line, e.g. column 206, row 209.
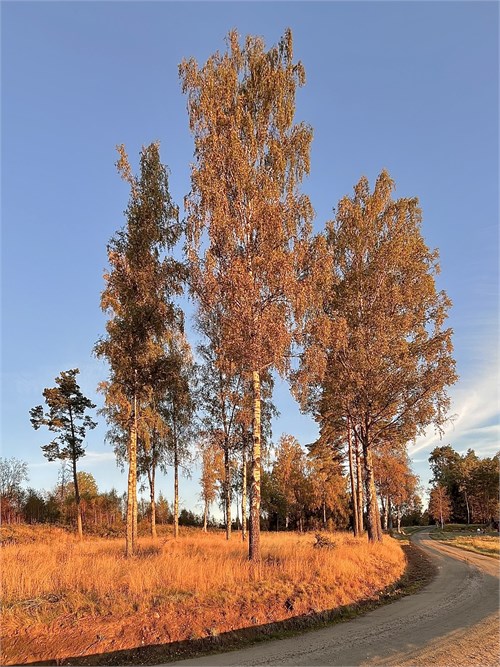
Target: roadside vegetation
column 467, row 537
column 62, row 597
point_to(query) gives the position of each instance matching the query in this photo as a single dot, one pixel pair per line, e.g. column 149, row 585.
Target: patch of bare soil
column 479, row 646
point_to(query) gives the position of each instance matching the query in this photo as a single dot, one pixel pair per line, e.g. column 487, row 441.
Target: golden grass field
column 64, row 598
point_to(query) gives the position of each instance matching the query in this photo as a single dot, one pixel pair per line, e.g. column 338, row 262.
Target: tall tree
column 211, row 473
column 13, row 473
column 439, row 504
column 177, row 410
column 484, row 490
column 139, row 300
column 291, row 480
column 66, row 416
column 447, row 470
column 328, row 486
column 220, row 394
column 250, row 160
column 389, row 359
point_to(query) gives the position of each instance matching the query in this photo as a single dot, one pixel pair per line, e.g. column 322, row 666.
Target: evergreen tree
column 66, row 416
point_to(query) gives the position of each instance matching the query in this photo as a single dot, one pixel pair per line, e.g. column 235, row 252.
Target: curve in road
column 453, row 621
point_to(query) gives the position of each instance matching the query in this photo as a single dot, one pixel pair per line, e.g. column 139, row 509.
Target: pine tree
column 66, row 416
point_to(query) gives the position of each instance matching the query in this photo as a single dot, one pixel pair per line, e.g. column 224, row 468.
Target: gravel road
column 452, row 621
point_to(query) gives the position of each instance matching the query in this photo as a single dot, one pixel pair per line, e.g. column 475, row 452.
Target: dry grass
column 62, row 598
column 483, row 544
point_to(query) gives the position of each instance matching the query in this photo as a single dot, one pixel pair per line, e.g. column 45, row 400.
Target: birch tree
column 248, row 225
column 390, row 362
column 439, row 505
column 177, row 411
column 138, row 298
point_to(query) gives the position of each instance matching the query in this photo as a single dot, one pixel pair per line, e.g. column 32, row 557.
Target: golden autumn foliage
column 385, row 369
column 138, row 300
column 248, row 226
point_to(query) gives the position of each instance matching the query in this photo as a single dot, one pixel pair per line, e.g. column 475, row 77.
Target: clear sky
column 407, row 86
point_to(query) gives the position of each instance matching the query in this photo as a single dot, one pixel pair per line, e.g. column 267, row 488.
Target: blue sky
column 407, row 86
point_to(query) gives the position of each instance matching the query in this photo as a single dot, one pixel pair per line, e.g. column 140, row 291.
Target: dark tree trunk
column 151, row 479
column 75, row 479
column 227, row 489
column 359, row 486
column 372, row 514
column 354, row 495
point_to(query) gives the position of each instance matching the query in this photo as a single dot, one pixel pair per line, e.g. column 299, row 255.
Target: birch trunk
column 176, row 491
column 227, row 490
column 254, row 537
column 244, row 498
column 131, row 488
column 205, row 517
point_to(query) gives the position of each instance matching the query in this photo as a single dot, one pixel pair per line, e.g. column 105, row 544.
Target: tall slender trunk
column 324, row 513
column 372, row 515
column 134, row 514
column 377, row 513
column 176, row 491
column 205, row 516
column 227, row 489
column 151, row 479
column 385, row 510
column 78, row 502
column 467, row 506
column 75, row 478
column 389, row 511
column 254, row 538
column 354, row 497
column 244, row 497
column 359, row 487
column 398, row 518
column 176, row 471
column 131, row 487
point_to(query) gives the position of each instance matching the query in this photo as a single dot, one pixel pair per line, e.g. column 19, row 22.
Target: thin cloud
column 476, row 407
column 90, row 459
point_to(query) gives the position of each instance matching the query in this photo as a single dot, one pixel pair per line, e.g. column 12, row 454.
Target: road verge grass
column 71, row 603
column 469, row 540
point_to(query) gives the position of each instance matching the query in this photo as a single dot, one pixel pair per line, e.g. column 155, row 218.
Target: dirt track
column 452, row 621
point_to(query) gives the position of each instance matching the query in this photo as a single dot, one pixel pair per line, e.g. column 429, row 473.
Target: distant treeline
column 299, row 492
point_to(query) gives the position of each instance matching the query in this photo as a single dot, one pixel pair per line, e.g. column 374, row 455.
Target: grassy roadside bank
column 296, row 584
column 468, row 539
